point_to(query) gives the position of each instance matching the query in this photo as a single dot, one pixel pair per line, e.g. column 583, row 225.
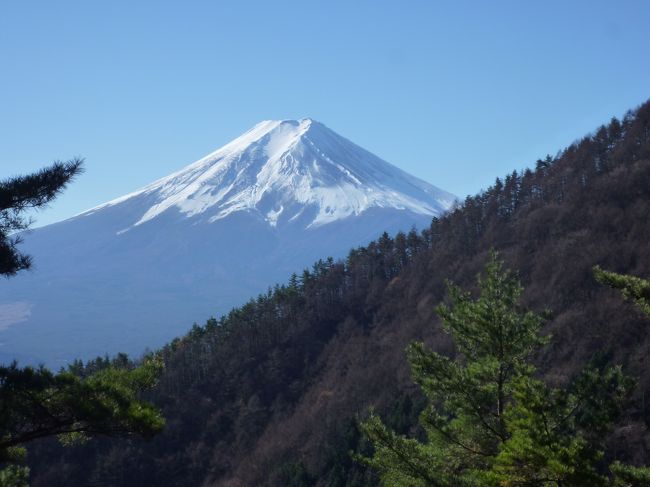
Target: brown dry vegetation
column 270, row 394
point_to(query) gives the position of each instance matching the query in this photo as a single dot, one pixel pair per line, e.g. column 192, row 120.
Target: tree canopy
column 633, row 288
column 19, row 194
column 490, row 419
column 72, row 404
column 271, row 391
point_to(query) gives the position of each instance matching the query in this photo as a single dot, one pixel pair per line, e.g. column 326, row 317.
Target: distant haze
column 137, row 271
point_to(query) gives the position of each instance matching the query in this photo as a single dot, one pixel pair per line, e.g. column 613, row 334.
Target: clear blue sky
column 454, row 92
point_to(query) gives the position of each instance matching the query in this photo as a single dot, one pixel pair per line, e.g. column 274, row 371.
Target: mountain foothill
column 272, row 392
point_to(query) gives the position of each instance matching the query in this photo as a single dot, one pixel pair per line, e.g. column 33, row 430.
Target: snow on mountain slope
column 139, row 270
column 279, row 168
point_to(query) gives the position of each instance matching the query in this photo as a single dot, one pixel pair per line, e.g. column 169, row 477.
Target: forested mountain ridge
column 133, row 272
column 270, row 394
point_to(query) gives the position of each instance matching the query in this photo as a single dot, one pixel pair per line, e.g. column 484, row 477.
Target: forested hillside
column 271, row 393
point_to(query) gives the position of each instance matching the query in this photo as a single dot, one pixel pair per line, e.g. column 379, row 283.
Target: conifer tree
column 22, row 193
column 490, row 421
column 79, row 402
column 633, row 288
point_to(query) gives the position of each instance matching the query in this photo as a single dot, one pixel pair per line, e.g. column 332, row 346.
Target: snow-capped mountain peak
column 288, row 171
column 134, row 272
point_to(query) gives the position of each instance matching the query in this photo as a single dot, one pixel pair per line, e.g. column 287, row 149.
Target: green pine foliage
column 103, row 398
column 22, row 193
column 557, row 436
column 279, row 380
column 628, row 476
column 633, row 288
column 490, row 421
column 14, row 476
column 37, row 403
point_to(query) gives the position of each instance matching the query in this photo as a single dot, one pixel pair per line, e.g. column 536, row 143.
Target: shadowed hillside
column 270, row 394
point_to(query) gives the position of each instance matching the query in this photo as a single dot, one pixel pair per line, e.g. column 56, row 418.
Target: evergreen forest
column 282, row 391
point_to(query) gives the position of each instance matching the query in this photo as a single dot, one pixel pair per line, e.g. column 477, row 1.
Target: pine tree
column 633, row 288
column 96, row 399
column 23, row 193
column 490, row 420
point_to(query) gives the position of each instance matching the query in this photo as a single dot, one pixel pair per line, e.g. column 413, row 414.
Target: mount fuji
column 139, row 270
